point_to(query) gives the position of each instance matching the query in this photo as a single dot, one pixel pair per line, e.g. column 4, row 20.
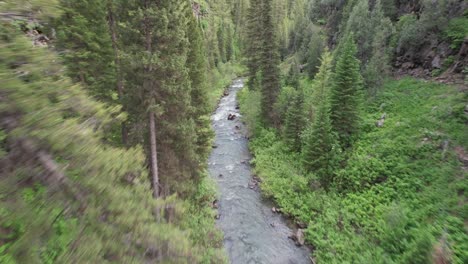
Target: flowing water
column 252, row 232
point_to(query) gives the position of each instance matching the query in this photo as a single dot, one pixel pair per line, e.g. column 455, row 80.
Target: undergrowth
column 401, row 197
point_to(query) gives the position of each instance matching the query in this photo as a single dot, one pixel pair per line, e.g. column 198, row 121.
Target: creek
column 253, row 233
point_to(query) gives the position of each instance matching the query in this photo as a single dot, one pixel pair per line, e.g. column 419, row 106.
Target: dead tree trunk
column 154, row 156
column 148, row 87
column 118, row 65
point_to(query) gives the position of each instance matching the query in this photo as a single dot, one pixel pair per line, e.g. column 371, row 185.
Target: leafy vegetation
column 457, row 31
column 398, row 198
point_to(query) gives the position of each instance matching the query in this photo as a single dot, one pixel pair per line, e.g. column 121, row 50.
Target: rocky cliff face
column 435, row 56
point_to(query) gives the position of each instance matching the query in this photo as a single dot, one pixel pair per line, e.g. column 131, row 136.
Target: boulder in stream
column 298, row 237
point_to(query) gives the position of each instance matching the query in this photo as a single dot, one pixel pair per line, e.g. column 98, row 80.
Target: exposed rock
column 301, row 225
column 380, row 123
column 436, row 64
column 231, row 117
column 215, row 204
column 214, row 146
column 462, row 155
column 220, row 175
column 444, row 146
column 253, row 184
column 298, row 237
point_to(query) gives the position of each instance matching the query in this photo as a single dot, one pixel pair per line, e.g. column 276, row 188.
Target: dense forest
column 357, row 114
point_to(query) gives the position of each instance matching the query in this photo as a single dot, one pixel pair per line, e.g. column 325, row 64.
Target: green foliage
column 346, row 93
column 399, row 196
column 294, row 121
column 457, row 31
column 2, row 143
column 95, row 206
column 84, row 38
column 320, row 149
column 250, row 101
column 269, row 65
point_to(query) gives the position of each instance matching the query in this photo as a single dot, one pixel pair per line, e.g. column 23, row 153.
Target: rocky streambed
column 253, row 231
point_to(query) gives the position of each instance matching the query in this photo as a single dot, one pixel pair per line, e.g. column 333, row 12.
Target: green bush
column 457, row 31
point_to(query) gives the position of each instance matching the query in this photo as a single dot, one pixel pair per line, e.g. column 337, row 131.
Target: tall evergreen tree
column 294, row 121
column 254, row 41
column 320, row 145
column 197, row 67
column 378, row 66
column 112, row 19
column 157, row 46
column 270, row 82
column 346, row 93
column 83, row 34
column 222, row 42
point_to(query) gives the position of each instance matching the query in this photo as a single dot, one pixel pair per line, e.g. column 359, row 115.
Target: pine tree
column 294, row 122
column 157, row 45
column 346, row 93
column 196, row 64
column 270, row 81
column 83, row 34
column 254, row 41
column 378, row 66
column 320, row 145
column 222, row 42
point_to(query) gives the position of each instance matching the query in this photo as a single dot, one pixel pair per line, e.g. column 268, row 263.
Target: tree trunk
column 120, row 83
column 152, row 124
column 153, row 155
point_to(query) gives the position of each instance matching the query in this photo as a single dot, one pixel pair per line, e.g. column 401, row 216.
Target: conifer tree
column 294, row 123
column 197, row 67
column 346, row 93
column 270, row 82
column 378, row 66
column 320, row 145
column 83, row 34
column 254, row 41
column 222, row 42
column 158, row 48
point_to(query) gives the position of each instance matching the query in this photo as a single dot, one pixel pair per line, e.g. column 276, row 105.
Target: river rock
column 300, row 238
column 231, row 117
column 380, row 123
column 301, row 225
column 436, row 62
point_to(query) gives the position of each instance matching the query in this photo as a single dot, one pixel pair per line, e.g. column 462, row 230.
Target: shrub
column 457, row 31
